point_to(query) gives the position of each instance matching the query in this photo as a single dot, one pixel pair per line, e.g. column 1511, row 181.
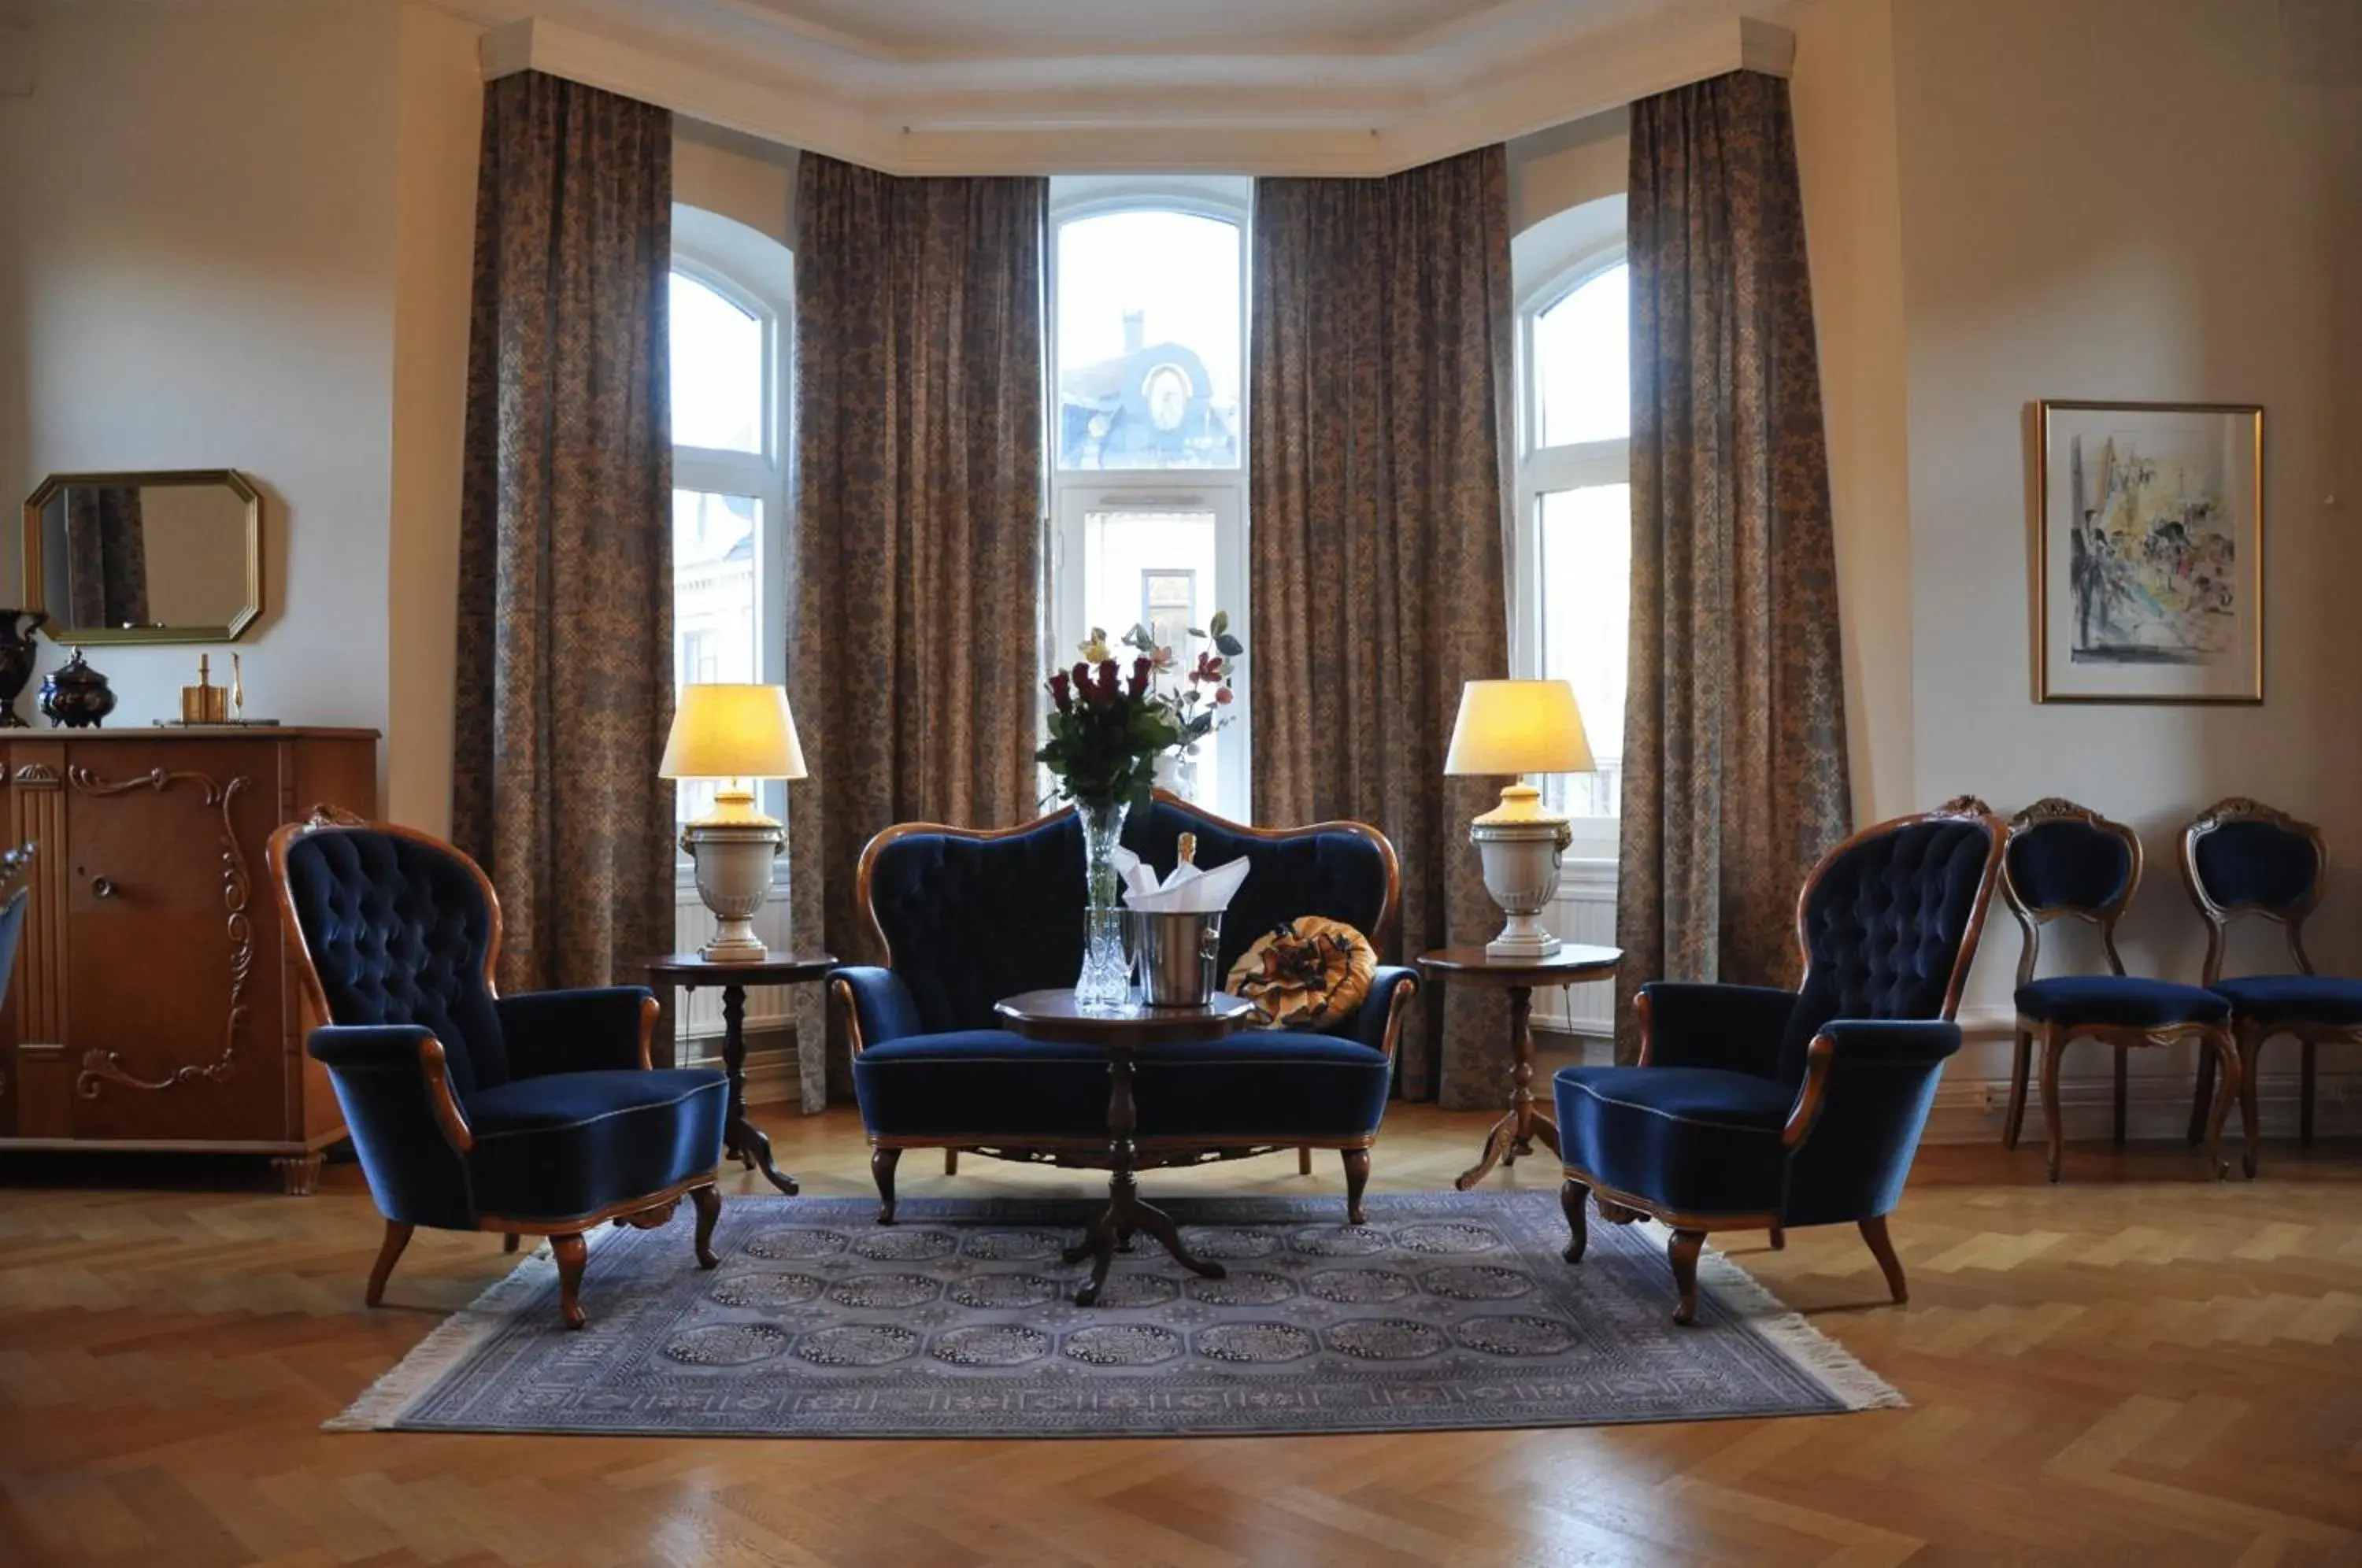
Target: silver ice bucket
column 1176, row 954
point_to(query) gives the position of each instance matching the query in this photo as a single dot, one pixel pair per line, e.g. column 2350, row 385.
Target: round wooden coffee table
column 1122, row 1033
column 1515, row 1134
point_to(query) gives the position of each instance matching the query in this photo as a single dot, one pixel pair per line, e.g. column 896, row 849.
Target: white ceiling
column 917, row 30
column 1078, row 86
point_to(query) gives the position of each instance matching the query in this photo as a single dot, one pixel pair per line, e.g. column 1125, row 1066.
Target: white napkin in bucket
column 1188, row 890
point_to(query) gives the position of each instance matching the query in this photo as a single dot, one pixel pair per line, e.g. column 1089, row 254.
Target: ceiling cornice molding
column 1335, row 114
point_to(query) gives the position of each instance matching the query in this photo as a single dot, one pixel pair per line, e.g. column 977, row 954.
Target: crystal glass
column 1106, row 977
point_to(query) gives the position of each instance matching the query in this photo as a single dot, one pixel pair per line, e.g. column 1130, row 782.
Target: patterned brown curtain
column 106, row 555
column 1379, row 489
column 565, row 666
column 1734, row 731
column 916, row 539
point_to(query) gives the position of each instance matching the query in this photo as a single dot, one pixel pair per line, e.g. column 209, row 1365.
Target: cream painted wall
column 240, row 237
column 2150, row 199
column 198, row 265
column 743, row 179
column 440, row 95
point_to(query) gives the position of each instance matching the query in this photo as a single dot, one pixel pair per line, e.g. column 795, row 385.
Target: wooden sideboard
column 154, row 1005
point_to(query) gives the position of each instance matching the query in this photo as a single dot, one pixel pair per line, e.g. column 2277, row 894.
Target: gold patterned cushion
column 1307, row 973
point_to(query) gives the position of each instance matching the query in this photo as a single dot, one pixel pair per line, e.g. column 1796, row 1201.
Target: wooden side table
column 741, row 1139
column 1122, row 1034
column 1515, row 1134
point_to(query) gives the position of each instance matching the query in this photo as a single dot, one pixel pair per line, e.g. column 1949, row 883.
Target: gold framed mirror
column 166, row 555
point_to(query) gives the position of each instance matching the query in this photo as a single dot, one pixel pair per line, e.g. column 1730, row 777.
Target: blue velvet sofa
column 2241, row 858
column 2066, row 861
column 529, row 1115
column 1754, row 1107
column 968, row 917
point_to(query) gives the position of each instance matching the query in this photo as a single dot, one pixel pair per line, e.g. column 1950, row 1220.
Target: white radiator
column 1584, row 911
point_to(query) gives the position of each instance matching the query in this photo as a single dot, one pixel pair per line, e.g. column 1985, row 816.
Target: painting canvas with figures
column 2150, row 537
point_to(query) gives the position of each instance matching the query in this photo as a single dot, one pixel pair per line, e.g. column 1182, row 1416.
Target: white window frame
column 1596, row 250
column 756, row 273
column 1076, row 492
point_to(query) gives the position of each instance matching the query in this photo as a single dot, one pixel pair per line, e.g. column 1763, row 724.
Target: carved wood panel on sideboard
column 153, row 1006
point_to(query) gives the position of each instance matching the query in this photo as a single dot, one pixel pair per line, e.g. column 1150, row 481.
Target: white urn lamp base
column 1520, row 846
column 733, row 850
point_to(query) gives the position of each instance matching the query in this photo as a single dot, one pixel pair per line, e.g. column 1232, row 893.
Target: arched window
column 731, row 314
column 1148, row 431
column 1574, row 508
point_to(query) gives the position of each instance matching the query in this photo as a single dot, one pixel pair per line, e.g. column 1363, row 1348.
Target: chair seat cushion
column 1693, row 1141
column 989, row 1083
column 2294, row 999
column 2119, row 998
column 568, row 1144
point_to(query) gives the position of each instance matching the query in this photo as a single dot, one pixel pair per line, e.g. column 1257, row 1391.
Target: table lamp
column 1520, row 727
column 736, row 735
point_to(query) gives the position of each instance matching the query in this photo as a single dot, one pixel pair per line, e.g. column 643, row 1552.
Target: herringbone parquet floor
column 2136, row 1366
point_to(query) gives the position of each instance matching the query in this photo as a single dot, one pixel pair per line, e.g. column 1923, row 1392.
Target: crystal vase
column 1106, row 977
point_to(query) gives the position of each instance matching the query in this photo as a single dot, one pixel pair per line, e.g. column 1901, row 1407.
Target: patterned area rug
column 1446, row 1311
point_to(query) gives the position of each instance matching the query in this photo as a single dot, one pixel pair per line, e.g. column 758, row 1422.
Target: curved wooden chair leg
column 572, row 1254
column 1683, row 1253
column 2304, row 1096
column 1304, row 1165
column 509, row 1242
column 2052, row 1049
column 708, row 1201
column 1574, row 1198
column 2220, row 1044
column 881, row 1171
column 2201, row 1098
column 397, row 1236
column 2123, row 1068
column 1357, row 1176
column 1881, row 1247
column 1778, row 1238
column 2249, row 1042
column 2019, row 1074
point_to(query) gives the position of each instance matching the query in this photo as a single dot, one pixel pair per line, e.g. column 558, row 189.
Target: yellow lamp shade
column 732, row 731
column 1517, row 727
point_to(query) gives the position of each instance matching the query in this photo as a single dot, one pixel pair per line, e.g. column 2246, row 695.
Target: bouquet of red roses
column 1109, row 724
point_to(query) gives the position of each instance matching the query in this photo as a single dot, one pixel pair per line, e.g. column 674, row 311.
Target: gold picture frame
column 2148, row 552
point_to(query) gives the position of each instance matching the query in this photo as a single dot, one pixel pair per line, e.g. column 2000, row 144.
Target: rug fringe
column 1836, row 1368
column 454, row 1339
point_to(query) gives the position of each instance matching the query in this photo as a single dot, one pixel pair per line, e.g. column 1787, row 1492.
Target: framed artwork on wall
column 2149, row 565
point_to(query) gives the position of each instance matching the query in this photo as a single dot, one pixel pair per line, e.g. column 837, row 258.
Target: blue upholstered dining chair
column 2066, row 860
column 530, row 1115
column 2242, row 857
column 1756, row 1109
column 968, row 917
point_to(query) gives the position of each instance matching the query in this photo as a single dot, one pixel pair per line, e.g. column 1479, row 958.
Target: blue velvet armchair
column 2240, row 857
column 968, row 917
column 529, row 1115
column 2066, row 860
column 1758, row 1109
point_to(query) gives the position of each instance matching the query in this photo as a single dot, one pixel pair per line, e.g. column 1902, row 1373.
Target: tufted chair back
column 400, row 928
column 970, row 917
column 1889, row 921
column 2241, row 856
column 1341, row 871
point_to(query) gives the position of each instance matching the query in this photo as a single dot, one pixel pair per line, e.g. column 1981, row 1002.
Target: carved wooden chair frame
column 1690, row 1231
column 2249, row 1034
column 2214, row 1039
column 565, row 1243
column 1091, row 1151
